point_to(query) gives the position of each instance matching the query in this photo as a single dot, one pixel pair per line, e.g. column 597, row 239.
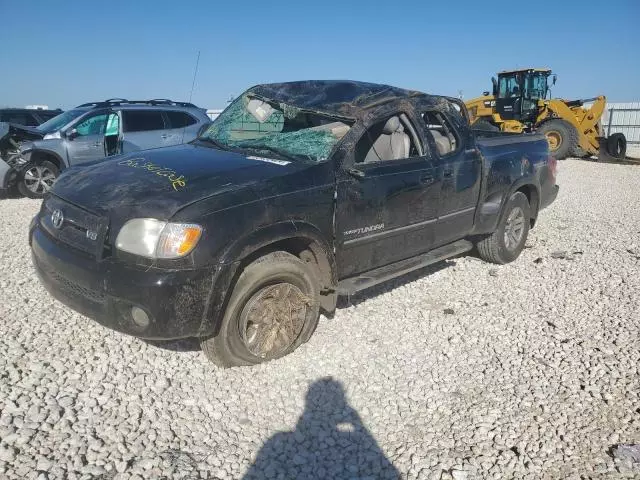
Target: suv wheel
column 505, row 244
column 37, row 179
column 274, row 307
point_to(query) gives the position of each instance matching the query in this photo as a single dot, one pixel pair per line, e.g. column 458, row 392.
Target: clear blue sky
column 68, row 52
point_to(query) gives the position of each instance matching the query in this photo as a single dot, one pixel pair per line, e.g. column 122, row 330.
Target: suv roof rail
column 123, row 101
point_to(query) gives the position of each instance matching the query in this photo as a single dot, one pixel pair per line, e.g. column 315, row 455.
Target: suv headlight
column 52, row 136
column 153, row 238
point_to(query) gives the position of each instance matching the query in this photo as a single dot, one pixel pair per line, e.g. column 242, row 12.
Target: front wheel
column 505, row 244
column 37, row 179
column 273, row 308
column 562, row 137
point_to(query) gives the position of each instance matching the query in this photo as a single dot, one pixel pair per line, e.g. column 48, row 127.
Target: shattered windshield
column 59, row 121
column 268, row 127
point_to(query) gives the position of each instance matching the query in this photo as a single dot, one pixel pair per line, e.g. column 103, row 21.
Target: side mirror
column 554, row 78
column 71, row 134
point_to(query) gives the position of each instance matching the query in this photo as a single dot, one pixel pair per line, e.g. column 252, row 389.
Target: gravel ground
column 466, row 370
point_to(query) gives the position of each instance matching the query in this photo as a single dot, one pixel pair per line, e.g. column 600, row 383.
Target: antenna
column 195, row 72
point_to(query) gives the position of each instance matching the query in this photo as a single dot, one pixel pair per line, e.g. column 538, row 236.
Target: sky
column 65, row 53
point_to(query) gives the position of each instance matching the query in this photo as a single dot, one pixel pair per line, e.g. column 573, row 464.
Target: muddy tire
column 617, row 146
column 37, row 178
column 273, row 308
column 562, row 138
column 505, row 244
column 485, row 125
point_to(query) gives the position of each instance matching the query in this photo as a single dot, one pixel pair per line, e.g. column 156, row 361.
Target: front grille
column 79, row 228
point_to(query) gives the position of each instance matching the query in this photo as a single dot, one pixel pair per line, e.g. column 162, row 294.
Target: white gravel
column 529, row 370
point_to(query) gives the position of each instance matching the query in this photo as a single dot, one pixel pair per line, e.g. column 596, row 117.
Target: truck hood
column 157, row 183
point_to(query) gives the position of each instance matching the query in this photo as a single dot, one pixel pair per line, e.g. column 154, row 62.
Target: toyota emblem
column 57, row 219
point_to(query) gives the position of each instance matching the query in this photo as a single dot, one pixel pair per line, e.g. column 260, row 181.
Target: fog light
column 140, row 317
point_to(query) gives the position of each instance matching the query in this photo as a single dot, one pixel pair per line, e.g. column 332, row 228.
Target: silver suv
column 93, row 131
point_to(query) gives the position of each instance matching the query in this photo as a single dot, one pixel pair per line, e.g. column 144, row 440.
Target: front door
column 387, row 198
column 509, row 101
column 85, row 141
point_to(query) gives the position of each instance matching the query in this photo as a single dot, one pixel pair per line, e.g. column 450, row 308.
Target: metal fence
column 622, row 118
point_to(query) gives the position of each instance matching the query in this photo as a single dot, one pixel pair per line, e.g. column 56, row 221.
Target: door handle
column 426, row 179
column 164, row 135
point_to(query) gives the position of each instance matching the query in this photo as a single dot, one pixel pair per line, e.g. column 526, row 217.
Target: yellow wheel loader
column 519, row 104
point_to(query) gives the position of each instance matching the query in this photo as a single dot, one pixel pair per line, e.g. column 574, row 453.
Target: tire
column 267, row 288
column 578, row 152
column 617, row 146
column 562, row 137
column 37, row 178
column 494, row 248
column 485, row 125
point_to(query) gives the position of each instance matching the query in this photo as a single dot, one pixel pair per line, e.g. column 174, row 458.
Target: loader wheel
column 617, row 145
column 562, row 137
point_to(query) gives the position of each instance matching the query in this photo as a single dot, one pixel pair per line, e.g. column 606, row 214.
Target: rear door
column 142, row 129
column 458, row 164
column 85, row 141
column 180, row 127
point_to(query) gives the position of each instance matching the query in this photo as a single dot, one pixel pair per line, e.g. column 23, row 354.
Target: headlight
column 153, row 238
column 51, row 136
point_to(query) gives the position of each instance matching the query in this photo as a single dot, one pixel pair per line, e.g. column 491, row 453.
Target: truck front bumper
column 175, row 302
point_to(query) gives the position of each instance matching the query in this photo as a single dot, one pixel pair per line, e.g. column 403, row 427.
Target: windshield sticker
column 269, row 160
column 169, row 173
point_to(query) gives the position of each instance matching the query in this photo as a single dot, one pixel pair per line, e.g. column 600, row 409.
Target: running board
column 349, row 286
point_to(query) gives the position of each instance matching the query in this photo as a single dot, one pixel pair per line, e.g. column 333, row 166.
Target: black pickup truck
column 298, row 193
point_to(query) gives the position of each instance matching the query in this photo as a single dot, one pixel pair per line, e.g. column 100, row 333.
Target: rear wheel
column 561, row 136
column 273, row 308
column 37, row 179
column 506, row 243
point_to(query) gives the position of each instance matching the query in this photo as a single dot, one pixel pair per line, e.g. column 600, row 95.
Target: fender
column 285, row 230
column 28, row 153
column 491, row 210
column 230, row 262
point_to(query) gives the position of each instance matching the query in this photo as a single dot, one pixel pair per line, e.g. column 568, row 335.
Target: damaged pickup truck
column 297, row 193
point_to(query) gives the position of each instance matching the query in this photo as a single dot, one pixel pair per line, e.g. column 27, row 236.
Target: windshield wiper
column 275, row 150
column 213, row 142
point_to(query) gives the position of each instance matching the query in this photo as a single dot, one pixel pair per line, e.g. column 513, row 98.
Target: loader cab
column 518, row 92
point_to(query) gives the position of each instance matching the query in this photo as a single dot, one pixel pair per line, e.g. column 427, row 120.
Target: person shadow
column 329, row 442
